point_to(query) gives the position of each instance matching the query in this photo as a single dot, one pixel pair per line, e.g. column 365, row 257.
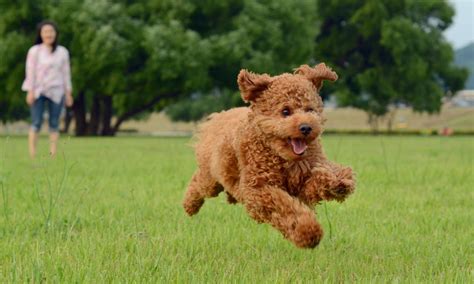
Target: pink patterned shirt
column 47, row 73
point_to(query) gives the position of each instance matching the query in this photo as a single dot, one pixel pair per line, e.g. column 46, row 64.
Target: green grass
column 117, row 216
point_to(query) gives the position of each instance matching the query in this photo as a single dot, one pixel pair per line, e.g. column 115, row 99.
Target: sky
column 461, row 31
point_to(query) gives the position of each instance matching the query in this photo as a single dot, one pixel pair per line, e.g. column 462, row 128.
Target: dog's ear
column 317, row 74
column 251, row 84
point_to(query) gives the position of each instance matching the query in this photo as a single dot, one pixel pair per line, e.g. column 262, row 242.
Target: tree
column 389, row 52
column 127, row 57
column 176, row 64
column 198, row 105
column 132, row 57
column 262, row 36
column 18, row 21
column 99, row 35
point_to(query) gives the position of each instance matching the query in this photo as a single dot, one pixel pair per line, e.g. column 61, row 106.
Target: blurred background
column 157, row 67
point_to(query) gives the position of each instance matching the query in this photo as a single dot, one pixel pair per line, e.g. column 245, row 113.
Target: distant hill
column 465, row 57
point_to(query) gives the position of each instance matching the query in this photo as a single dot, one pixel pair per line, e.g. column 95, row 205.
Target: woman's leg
column 53, row 143
column 32, row 141
column 54, row 114
column 36, row 111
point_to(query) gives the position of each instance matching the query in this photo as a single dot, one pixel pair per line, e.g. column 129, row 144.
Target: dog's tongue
column 299, row 146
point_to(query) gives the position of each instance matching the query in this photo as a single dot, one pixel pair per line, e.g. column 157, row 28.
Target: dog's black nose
column 305, row 129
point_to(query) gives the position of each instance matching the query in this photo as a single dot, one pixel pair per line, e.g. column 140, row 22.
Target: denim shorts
column 54, row 111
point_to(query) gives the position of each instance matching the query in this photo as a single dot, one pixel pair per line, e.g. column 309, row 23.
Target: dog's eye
column 285, row 112
column 309, row 110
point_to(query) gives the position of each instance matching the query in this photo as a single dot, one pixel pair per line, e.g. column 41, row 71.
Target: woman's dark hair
column 38, row 33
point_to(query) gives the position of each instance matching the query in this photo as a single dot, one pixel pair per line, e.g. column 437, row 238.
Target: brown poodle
column 269, row 156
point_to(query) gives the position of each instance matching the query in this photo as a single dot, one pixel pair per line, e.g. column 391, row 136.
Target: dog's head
column 287, row 108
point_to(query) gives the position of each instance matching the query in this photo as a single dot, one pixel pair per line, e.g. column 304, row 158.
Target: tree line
column 130, row 58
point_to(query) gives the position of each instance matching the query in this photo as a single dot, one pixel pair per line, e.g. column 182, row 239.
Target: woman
column 47, row 82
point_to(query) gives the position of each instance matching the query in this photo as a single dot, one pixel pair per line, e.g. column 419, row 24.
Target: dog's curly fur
column 269, row 156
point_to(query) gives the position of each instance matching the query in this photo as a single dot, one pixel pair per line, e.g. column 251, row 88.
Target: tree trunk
column 107, row 116
column 390, row 119
column 94, row 121
column 146, row 106
column 84, row 128
column 79, row 108
column 374, row 122
column 68, row 119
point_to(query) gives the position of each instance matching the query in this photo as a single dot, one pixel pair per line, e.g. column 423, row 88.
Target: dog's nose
column 305, row 129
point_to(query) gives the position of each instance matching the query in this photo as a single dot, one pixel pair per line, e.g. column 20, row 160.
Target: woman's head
column 47, row 33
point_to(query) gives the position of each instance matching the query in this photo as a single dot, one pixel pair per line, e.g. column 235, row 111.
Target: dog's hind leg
column 231, row 199
column 202, row 186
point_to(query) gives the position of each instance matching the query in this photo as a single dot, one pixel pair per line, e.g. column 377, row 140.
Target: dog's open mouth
column 298, row 145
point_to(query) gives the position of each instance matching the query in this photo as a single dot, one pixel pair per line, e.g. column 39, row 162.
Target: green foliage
column 262, row 36
column 268, row 36
column 97, row 34
column 389, row 52
column 148, row 53
column 18, row 21
column 130, row 57
column 200, row 105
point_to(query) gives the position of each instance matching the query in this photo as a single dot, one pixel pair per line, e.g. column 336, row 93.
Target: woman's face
column 48, row 34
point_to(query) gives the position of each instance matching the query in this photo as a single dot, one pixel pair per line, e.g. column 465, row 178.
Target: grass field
column 110, row 211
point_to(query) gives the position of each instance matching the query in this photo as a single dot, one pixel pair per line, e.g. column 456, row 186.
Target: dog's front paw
column 318, row 185
column 323, row 178
column 345, row 184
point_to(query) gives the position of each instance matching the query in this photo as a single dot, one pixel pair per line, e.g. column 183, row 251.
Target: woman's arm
column 29, row 83
column 66, row 70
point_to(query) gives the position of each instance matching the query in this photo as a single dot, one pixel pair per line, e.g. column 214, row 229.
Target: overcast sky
column 461, row 31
